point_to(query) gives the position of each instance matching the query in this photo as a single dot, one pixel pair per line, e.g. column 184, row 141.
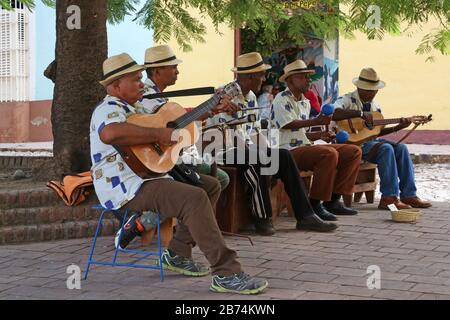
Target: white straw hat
column 368, row 80
column 250, row 63
column 117, row 66
column 298, row 66
column 160, row 56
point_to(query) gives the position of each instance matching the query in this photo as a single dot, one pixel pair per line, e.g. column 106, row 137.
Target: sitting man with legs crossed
column 250, row 74
column 118, row 187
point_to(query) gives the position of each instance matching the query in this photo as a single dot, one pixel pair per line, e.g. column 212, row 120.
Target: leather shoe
column 314, row 223
column 337, row 208
column 323, row 213
column 385, row 201
column 264, row 227
column 416, row 202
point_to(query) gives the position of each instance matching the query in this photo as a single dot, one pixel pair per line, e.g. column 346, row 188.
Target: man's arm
column 317, row 121
column 404, row 123
column 341, row 114
column 127, row 134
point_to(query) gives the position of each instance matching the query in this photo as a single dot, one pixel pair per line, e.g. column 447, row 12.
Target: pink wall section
column 25, row 121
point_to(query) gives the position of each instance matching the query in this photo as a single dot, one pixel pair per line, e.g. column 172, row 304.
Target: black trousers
column 258, row 183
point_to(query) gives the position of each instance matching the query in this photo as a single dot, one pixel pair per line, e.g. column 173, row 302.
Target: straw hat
column 117, row 66
column 368, row 80
column 298, row 66
column 250, row 63
column 160, row 56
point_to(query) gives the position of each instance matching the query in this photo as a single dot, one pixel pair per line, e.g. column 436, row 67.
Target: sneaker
column 183, row 265
column 130, row 230
column 238, row 283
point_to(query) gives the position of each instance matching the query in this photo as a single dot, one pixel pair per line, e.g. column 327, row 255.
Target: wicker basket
column 406, row 215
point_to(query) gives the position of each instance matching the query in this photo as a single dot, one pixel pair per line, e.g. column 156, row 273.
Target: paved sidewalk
column 414, row 260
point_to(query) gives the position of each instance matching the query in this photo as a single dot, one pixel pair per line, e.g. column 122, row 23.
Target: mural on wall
column 325, row 79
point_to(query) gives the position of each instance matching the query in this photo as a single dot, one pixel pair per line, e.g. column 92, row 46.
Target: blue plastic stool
column 116, row 251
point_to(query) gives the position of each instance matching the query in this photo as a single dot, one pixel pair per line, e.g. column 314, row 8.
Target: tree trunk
column 79, row 54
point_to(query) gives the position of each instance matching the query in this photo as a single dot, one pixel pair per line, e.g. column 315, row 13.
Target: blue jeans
column 395, row 169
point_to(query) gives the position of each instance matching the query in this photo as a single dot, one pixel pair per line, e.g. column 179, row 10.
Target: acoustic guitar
column 359, row 132
column 154, row 159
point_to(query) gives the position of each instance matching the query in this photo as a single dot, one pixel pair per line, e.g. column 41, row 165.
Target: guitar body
column 146, row 153
column 358, row 131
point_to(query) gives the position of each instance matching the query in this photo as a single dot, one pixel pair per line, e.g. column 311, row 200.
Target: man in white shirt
column 335, row 166
column 250, row 73
column 119, row 187
column 395, row 168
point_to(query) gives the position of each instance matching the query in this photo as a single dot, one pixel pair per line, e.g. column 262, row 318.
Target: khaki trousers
column 335, row 168
column 193, row 207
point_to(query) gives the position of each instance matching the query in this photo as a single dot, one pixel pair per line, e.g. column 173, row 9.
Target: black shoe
column 129, row 231
column 337, row 208
column 264, row 227
column 323, row 213
column 314, row 223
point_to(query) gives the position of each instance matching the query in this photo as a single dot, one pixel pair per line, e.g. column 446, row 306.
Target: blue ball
column 327, row 109
column 342, row 136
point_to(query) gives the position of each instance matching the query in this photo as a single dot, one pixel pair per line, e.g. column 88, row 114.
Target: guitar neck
column 196, row 113
column 382, row 122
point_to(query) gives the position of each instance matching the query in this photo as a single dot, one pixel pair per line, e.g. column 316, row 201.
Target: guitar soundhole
column 171, row 124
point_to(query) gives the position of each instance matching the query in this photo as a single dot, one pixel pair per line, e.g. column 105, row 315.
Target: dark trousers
column 259, row 186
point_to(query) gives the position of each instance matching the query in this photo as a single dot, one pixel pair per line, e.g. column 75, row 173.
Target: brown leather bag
column 72, row 190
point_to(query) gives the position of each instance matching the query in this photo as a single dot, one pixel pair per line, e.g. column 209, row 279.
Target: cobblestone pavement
column 414, row 260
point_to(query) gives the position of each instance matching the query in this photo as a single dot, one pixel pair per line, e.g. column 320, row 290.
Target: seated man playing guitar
column 250, row 74
column 119, row 187
column 162, row 71
column 395, row 167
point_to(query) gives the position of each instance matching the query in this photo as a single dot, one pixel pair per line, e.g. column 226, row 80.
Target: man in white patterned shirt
column 335, row 166
column 118, row 187
column 395, row 167
column 250, row 71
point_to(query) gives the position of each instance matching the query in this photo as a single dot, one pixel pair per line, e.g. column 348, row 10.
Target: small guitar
column 359, row 132
column 151, row 160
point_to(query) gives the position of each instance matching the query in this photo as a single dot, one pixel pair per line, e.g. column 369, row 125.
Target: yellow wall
column 208, row 64
column 413, row 86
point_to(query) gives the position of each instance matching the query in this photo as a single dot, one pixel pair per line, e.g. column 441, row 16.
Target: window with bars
column 14, row 53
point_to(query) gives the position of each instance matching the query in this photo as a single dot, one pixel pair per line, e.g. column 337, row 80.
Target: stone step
column 36, row 197
column 46, row 215
column 56, row 231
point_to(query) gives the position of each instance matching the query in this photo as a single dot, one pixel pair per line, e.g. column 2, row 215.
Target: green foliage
column 276, row 23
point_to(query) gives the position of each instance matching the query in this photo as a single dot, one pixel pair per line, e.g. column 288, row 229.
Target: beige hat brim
column 116, row 76
column 368, row 86
column 263, row 67
column 163, row 64
column 285, row 76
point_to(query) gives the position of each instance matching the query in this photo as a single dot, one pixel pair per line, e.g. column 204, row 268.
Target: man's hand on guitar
column 368, row 118
column 225, row 105
column 404, row 123
column 168, row 136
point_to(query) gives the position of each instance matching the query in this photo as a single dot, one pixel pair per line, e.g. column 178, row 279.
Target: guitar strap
column 407, row 134
column 179, row 93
